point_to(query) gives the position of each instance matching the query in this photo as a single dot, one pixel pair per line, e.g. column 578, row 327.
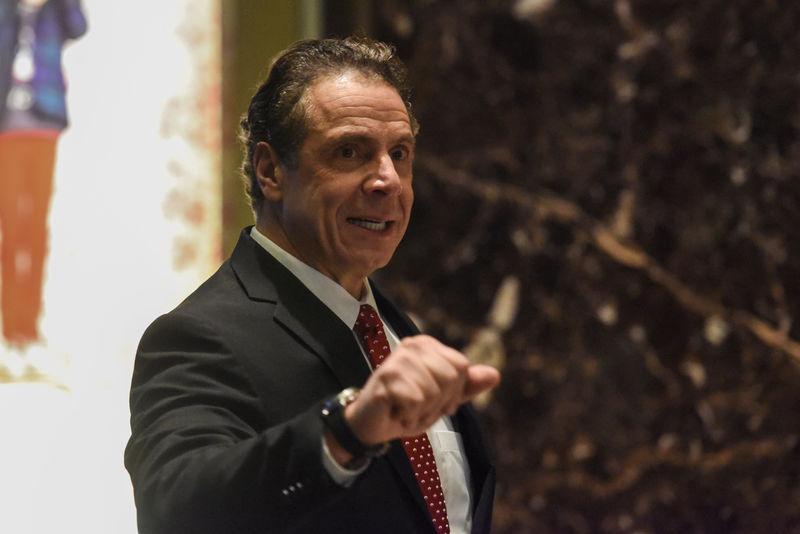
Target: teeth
column 369, row 225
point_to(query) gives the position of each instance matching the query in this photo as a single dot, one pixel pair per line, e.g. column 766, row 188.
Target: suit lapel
column 297, row 309
column 482, row 470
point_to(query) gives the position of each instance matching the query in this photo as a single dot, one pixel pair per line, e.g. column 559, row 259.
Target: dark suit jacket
column 225, row 403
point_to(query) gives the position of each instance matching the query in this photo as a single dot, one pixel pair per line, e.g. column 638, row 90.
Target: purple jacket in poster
column 56, row 22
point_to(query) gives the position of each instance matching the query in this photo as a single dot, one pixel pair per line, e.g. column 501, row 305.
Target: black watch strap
column 333, row 416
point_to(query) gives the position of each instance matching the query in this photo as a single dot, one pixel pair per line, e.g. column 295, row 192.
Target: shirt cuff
column 340, row 474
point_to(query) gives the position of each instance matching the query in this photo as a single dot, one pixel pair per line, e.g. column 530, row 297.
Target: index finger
column 480, row 378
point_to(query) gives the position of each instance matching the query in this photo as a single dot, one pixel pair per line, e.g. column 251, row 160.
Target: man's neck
column 354, row 287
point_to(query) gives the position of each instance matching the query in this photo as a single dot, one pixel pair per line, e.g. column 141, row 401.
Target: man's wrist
column 337, row 462
column 339, row 428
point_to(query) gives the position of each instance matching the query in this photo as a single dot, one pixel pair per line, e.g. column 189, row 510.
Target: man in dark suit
column 255, row 405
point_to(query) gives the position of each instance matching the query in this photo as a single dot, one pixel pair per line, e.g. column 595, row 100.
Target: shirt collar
column 334, row 296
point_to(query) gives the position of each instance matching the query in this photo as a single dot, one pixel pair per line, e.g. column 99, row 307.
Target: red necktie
column 369, row 331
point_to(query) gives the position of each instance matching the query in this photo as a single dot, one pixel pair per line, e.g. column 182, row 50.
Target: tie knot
column 368, row 319
column 369, row 331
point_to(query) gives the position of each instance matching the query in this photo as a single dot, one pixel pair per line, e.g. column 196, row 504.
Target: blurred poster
column 129, row 224
column 33, row 114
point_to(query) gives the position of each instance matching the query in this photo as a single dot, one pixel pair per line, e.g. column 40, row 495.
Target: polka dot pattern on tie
column 420, row 454
column 369, row 331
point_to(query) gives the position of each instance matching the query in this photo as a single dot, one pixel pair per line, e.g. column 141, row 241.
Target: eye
column 399, row 154
column 347, row 152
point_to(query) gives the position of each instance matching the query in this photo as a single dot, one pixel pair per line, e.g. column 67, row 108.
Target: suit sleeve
column 202, row 458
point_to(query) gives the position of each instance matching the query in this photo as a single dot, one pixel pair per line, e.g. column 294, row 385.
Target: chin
column 372, row 266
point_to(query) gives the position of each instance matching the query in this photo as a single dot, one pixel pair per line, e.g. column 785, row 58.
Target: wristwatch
column 335, row 421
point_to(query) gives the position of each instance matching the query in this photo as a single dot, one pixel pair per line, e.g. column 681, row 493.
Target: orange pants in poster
column 27, row 161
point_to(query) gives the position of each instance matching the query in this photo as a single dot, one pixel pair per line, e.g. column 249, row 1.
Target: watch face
column 333, row 416
column 347, row 396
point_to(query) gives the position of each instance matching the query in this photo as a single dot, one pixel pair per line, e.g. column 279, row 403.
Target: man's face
column 345, row 207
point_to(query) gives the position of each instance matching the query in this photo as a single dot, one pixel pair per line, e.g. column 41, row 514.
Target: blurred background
column 606, row 209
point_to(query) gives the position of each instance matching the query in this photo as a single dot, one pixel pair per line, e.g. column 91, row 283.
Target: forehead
column 351, row 100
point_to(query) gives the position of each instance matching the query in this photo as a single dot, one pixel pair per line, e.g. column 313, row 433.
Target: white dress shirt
column 448, row 448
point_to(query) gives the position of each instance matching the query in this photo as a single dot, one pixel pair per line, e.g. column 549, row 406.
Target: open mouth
column 369, row 224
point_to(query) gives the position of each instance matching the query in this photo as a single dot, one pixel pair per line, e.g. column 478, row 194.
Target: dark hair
column 277, row 113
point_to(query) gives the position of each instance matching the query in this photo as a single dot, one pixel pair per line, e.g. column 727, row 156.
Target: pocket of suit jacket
column 454, row 473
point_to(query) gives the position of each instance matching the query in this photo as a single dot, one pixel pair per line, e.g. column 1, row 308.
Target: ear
column 270, row 174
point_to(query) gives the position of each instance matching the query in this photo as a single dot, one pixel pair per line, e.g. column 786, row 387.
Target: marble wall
column 607, row 207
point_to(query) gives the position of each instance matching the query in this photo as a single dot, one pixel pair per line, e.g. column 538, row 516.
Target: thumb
column 480, row 378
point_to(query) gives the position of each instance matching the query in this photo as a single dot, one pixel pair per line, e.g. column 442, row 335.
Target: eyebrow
column 352, row 137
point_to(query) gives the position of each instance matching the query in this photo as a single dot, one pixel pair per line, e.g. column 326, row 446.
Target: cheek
column 330, row 214
column 408, row 201
column 321, row 203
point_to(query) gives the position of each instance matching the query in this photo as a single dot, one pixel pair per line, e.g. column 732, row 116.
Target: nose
column 385, row 179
